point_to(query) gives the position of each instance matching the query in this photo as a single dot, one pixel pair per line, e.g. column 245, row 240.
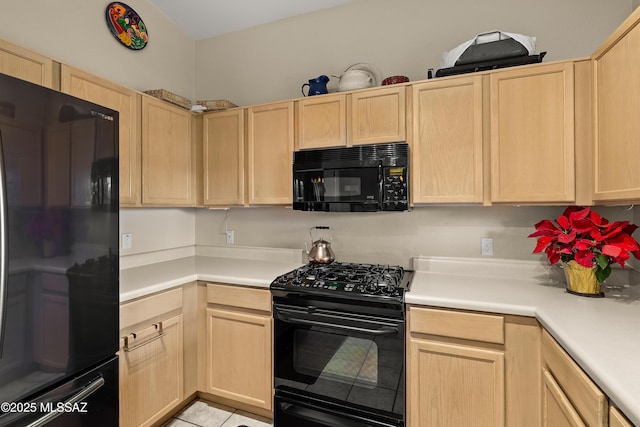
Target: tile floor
column 207, row 414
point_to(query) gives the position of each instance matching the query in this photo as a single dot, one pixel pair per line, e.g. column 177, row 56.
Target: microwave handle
column 380, row 185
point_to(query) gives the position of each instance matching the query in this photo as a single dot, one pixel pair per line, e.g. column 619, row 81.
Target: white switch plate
column 487, row 246
column 230, row 237
column 126, row 241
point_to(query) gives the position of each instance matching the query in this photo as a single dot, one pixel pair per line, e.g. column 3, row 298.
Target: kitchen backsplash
column 390, row 238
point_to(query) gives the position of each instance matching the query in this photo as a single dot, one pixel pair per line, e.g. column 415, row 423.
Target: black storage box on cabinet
column 506, row 51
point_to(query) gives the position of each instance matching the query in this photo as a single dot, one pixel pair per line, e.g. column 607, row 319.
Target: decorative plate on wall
column 126, row 26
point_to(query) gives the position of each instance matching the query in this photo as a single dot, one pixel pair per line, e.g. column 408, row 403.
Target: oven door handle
column 386, row 330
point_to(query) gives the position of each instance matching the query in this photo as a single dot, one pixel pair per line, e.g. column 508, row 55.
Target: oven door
column 347, row 360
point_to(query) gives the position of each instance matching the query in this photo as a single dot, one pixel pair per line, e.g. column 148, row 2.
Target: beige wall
column 270, row 62
column 75, row 32
column 390, row 238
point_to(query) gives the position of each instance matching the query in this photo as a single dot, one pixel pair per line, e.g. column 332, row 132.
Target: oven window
column 338, row 358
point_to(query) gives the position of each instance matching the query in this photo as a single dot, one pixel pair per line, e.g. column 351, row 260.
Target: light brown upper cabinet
column 223, row 158
column 24, row 64
column 532, row 134
column 376, row 116
column 168, row 156
column 322, row 121
column 124, row 100
column 344, row 119
column 617, row 127
column 447, row 141
column 269, row 153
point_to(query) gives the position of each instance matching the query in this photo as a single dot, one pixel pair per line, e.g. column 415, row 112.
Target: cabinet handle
column 126, row 347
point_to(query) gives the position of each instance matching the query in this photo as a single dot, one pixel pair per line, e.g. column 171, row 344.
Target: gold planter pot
column 581, row 280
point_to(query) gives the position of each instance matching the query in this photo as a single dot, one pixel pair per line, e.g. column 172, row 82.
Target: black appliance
column 364, row 178
column 490, row 65
column 339, row 346
column 59, row 259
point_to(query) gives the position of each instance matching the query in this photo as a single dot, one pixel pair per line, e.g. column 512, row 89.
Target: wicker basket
column 216, row 104
column 165, row 95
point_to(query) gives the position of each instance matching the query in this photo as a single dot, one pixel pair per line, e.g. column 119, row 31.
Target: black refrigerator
column 59, row 289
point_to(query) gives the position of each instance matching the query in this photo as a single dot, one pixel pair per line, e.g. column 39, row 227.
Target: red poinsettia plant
column 582, row 235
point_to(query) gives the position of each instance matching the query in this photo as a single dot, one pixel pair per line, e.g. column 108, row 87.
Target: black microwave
column 364, row 178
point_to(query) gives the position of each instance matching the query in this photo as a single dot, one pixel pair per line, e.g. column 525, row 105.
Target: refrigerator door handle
column 89, row 388
column 3, row 245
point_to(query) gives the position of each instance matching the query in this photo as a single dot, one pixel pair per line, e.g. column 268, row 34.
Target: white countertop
column 238, row 266
column 601, row 334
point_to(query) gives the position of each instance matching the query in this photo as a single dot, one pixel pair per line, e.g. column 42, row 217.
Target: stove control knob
column 371, row 288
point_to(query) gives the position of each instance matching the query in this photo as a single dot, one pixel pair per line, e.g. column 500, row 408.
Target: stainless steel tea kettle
column 320, row 252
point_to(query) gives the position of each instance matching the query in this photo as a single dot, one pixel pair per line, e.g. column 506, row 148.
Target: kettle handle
column 319, row 227
column 302, row 88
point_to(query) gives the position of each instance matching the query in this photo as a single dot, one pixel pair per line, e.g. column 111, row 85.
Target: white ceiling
column 202, row 19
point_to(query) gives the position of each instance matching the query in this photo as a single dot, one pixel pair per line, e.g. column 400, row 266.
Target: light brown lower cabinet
column 616, row 419
column 151, row 358
column 239, row 345
column 467, row 368
column 570, row 397
column 151, row 373
column 556, row 406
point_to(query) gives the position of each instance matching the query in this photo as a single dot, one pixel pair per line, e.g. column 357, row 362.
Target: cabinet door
column 455, row 385
column 322, row 121
column 124, row 100
column 376, row 116
column 168, row 167
column 239, row 356
column 224, row 158
column 270, row 153
column 557, row 410
column 447, row 144
column 616, row 419
column 586, row 398
column 151, row 373
column 617, row 93
column 24, row 64
column 532, row 134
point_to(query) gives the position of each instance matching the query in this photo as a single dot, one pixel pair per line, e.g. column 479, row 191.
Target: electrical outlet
column 487, row 246
column 126, row 241
column 230, row 237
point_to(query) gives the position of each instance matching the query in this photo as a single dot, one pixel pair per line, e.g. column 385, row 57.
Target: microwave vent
column 358, row 153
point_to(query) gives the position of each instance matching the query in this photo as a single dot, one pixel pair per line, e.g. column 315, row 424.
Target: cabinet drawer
column 239, row 296
column 141, row 310
column 456, row 324
column 586, row 397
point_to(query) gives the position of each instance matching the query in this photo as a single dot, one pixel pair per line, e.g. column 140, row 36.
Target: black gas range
column 339, row 345
column 370, row 285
